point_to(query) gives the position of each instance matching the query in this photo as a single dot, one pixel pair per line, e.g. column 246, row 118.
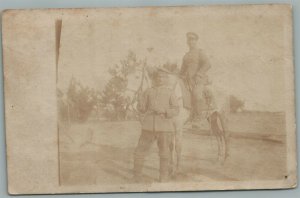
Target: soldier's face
column 191, row 42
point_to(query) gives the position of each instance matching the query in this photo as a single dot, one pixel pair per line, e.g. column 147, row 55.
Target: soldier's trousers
column 164, row 142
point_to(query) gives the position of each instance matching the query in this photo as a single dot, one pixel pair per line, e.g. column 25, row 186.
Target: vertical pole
column 58, row 24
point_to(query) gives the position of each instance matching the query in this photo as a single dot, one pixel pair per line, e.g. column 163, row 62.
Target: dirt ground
column 102, row 153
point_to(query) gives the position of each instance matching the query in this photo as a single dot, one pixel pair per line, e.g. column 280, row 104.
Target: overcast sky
column 246, row 52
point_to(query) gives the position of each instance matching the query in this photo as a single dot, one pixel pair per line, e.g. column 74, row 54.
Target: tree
column 77, row 103
column 113, row 99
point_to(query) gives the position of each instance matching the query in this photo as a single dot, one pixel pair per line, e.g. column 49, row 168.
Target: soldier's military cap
column 192, row 35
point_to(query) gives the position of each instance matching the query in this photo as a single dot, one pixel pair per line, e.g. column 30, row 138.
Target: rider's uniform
column 193, row 70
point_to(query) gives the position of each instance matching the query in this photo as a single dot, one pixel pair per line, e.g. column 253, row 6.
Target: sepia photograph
column 167, row 99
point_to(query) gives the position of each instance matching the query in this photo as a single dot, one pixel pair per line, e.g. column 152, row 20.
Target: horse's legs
column 178, row 148
column 181, row 120
column 221, row 148
column 171, row 157
column 175, row 148
column 219, row 133
column 222, row 135
column 224, row 150
column 219, row 144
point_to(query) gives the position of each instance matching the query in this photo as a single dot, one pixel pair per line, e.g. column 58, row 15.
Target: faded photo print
column 165, row 98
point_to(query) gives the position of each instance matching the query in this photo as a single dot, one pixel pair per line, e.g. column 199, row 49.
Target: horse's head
column 137, row 80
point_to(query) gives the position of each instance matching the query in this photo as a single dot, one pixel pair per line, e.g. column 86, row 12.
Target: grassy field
column 102, row 152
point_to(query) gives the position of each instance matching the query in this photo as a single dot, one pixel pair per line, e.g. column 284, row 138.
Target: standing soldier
column 194, row 72
column 160, row 105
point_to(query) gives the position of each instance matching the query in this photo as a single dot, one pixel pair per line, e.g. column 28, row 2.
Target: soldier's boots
column 164, row 169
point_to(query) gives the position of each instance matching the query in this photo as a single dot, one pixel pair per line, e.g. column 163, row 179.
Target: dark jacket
column 194, row 67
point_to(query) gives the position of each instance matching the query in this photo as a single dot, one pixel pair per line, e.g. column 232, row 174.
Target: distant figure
column 194, row 73
column 160, row 105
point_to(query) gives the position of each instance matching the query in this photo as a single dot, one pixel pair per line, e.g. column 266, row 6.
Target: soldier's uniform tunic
column 194, row 67
column 160, row 105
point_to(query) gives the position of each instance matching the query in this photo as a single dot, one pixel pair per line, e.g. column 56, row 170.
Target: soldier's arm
column 173, row 110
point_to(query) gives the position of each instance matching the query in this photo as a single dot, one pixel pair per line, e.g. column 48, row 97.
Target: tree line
column 79, row 102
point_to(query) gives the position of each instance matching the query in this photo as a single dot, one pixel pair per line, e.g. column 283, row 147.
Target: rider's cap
column 192, row 35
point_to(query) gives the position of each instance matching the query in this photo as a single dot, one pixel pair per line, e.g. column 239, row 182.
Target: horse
column 140, row 79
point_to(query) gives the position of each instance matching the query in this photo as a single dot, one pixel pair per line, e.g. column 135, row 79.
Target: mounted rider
column 195, row 66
